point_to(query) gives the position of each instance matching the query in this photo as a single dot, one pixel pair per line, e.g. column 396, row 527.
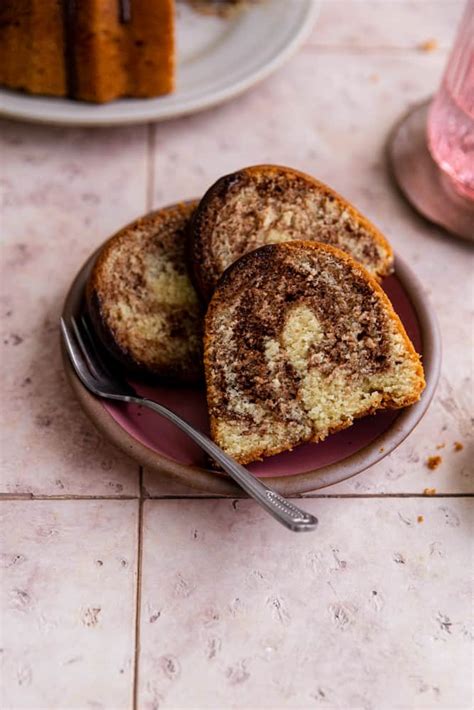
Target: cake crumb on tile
column 429, row 45
column 440, row 446
column 429, row 492
column 420, row 519
column 433, row 462
column 457, row 446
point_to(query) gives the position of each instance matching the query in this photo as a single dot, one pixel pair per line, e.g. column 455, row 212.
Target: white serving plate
column 217, row 59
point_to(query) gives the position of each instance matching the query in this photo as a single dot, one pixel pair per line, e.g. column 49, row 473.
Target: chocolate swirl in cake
column 352, row 319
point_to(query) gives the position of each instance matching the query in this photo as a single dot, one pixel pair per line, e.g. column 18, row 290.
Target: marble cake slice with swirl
column 299, row 341
column 141, row 300
column 269, row 204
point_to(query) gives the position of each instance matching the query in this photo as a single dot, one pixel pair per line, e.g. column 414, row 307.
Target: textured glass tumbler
column 431, row 148
column 450, row 126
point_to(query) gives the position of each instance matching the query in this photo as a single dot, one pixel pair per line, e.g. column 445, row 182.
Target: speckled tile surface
column 390, row 24
column 68, row 591
column 372, row 611
column 239, row 613
column 64, row 191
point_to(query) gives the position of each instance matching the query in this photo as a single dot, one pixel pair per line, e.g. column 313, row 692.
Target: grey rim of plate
column 266, row 51
column 218, row 484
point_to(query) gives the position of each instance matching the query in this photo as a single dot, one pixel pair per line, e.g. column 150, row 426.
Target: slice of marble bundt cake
column 299, row 341
column 141, row 301
column 268, row 204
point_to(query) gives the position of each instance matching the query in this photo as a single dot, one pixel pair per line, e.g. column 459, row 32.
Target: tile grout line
column 72, row 496
column 309, row 496
column 150, row 183
column 138, row 595
column 144, row 495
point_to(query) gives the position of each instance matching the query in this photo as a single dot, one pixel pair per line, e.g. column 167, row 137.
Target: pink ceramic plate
column 155, row 443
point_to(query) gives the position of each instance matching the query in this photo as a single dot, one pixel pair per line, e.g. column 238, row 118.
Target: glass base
column 425, row 186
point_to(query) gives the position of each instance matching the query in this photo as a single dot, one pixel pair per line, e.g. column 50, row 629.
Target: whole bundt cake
column 94, row 50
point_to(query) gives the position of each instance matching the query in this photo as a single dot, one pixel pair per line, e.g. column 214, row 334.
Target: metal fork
column 98, row 379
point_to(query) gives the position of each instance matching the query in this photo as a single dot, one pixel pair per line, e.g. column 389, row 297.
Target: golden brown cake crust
column 253, row 328
column 32, row 47
column 224, row 223
column 141, row 301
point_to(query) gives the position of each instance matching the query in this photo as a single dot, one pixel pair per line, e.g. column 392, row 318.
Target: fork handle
column 282, row 510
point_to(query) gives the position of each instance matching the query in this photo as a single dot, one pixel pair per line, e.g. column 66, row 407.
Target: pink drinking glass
column 431, row 147
column 450, row 125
